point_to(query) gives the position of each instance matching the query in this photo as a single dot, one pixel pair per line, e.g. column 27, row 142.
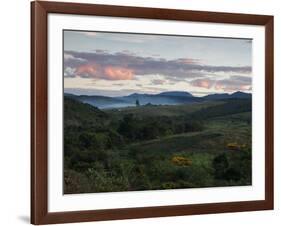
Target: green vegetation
column 147, row 147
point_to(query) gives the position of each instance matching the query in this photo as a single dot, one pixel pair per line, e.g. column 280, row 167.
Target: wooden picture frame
column 39, row 112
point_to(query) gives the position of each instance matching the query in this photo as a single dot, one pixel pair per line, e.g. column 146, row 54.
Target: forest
column 154, row 147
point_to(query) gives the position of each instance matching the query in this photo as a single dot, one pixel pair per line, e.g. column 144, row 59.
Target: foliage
column 220, row 164
column 181, row 161
column 156, row 147
column 235, row 146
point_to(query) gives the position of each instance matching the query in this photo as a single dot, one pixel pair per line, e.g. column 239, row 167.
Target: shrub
column 181, row 161
column 234, row 146
column 75, row 182
column 220, row 164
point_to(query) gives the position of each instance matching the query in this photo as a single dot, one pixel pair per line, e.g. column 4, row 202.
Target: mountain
column 103, row 102
column 170, row 98
column 221, row 96
column 217, row 96
column 175, row 94
column 164, row 98
column 241, row 95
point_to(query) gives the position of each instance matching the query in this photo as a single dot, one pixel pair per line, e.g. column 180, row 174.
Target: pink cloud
column 247, row 87
column 87, row 69
column 233, row 83
column 118, row 73
column 219, row 86
column 123, row 65
column 234, row 87
column 94, row 70
column 203, row 83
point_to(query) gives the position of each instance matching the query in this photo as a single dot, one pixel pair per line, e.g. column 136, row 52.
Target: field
column 206, row 144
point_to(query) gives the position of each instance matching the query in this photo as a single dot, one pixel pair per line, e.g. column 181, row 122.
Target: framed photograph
column 147, row 112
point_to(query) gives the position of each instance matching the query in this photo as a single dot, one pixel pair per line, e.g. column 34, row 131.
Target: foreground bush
column 181, row 161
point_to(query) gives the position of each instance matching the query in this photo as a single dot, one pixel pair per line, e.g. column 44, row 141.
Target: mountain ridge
column 237, row 94
column 163, row 98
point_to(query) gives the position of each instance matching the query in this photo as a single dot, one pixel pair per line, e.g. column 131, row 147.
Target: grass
column 217, row 133
column 168, row 144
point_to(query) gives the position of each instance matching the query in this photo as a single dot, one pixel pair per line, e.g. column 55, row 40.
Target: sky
column 118, row 64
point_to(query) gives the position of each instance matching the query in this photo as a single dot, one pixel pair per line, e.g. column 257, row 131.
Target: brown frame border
column 39, row 108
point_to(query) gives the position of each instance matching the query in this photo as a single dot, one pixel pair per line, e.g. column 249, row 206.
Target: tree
column 220, row 164
column 137, row 103
column 127, row 127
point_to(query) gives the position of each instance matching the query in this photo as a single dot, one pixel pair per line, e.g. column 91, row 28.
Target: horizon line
column 211, row 93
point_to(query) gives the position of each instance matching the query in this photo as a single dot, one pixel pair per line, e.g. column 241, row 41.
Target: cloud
column 113, row 93
column 93, row 70
column 118, row 73
column 69, row 57
column 127, row 66
column 101, row 51
column 233, row 83
column 69, row 72
column 203, row 83
column 158, row 82
column 188, row 61
column 87, row 70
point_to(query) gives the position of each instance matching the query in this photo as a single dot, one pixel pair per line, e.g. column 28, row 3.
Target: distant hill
column 241, row 95
column 176, row 94
column 164, row 98
column 221, row 96
column 217, row 96
column 104, row 102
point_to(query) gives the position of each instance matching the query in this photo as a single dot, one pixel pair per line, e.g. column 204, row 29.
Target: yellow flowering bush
column 236, row 147
column 181, row 161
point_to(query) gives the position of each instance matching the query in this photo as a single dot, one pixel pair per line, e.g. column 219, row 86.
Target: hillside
column 205, row 144
column 79, row 113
